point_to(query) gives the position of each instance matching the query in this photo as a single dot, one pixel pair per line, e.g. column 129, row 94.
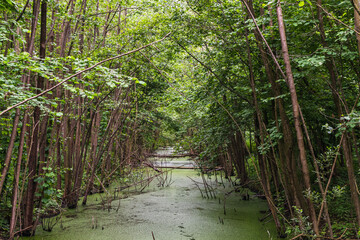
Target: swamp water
column 170, row 213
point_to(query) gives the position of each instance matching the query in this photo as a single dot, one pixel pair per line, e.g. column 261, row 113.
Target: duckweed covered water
column 174, row 212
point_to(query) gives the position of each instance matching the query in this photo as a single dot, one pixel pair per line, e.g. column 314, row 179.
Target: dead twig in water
column 197, row 185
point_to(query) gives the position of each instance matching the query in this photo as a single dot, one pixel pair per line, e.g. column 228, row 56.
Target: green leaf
column 59, row 114
column 141, row 82
column 301, row 3
column 8, row 5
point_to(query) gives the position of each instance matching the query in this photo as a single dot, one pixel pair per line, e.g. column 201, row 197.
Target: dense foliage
column 264, row 90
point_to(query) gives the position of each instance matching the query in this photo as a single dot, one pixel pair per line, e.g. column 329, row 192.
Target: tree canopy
column 266, row 91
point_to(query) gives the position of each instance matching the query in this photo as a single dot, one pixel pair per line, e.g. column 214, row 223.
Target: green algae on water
column 174, row 212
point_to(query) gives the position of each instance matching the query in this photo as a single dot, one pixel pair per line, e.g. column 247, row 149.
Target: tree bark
column 32, row 159
column 17, row 178
column 357, row 21
column 296, row 115
column 292, row 185
column 41, row 85
column 259, row 135
column 67, row 149
column 9, row 150
column 94, row 146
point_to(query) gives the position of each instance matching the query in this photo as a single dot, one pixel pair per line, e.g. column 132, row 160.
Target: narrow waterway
column 162, row 213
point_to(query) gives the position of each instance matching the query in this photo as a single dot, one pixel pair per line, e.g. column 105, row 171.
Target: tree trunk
column 351, row 176
column 357, row 21
column 67, row 150
column 94, row 146
column 296, row 115
column 9, row 150
column 259, row 135
column 32, row 159
column 292, row 185
column 41, row 85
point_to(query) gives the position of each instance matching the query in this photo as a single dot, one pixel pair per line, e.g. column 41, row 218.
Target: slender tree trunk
column 351, row 176
column 31, row 41
column 82, row 29
column 17, row 171
column 67, row 150
column 17, row 178
column 239, row 154
column 33, row 155
column 94, row 146
column 292, row 185
column 261, row 158
column 32, row 166
column 357, row 21
column 66, row 31
column 58, row 158
column 9, row 150
column 77, row 163
column 296, row 115
column 41, row 85
column 96, row 29
column 82, row 161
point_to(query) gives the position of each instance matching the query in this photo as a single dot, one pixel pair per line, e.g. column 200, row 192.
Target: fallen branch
column 180, row 167
column 152, row 166
column 171, row 156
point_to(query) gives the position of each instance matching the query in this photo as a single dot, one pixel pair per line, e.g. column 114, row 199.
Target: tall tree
column 296, row 114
